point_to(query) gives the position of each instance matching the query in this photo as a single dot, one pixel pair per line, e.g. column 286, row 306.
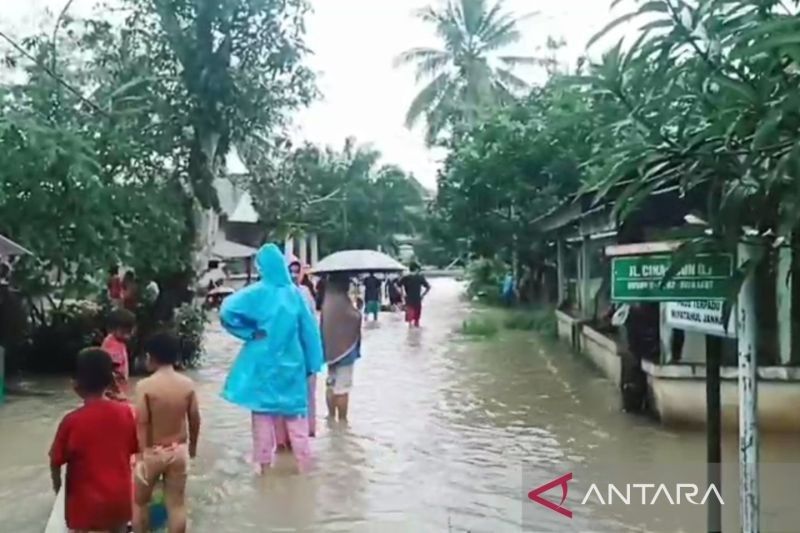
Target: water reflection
column 440, row 428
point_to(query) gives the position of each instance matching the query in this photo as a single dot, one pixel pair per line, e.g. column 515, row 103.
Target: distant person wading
column 372, row 296
column 416, row 287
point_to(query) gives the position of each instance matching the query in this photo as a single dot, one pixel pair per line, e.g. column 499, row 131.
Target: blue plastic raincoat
column 270, row 374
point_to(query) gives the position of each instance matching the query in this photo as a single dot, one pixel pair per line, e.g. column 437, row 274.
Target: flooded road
column 440, row 428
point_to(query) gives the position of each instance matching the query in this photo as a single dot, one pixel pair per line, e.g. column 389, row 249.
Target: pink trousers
column 265, row 439
column 280, row 428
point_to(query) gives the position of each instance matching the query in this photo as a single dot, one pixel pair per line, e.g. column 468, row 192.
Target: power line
column 53, row 75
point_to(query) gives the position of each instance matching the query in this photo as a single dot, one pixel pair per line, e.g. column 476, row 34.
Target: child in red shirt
column 95, row 442
column 121, row 323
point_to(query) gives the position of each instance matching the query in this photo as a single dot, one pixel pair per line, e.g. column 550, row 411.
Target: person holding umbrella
column 341, row 338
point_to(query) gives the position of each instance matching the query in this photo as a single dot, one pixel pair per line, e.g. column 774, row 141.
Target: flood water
column 440, row 428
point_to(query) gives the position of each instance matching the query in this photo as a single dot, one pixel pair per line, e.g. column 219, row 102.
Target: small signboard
column 701, row 317
column 638, row 278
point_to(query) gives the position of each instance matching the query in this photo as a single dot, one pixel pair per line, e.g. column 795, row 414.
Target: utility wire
column 53, row 75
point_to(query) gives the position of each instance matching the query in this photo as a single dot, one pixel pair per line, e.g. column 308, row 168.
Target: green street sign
column 637, row 278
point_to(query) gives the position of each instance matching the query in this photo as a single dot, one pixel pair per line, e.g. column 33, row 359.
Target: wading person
column 372, row 296
column 507, row 290
column 341, row 336
column 130, row 291
column 168, row 426
column 282, row 348
column 114, row 286
column 95, row 442
column 121, row 324
column 413, row 285
column 394, row 293
column 300, row 277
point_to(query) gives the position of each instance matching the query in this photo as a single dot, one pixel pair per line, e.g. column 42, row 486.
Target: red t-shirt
column 96, row 442
column 119, row 355
column 115, row 288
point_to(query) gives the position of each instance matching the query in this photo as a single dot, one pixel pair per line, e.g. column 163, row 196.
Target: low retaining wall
column 679, row 391
column 566, row 327
column 679, row 394
column 602, row 351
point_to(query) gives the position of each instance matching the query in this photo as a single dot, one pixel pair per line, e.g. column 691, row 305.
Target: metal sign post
column 748, row 401
column 694, row 299
column 2, row 375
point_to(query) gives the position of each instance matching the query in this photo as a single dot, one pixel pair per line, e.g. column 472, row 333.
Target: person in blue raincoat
column 508, row 291
column 282, row 348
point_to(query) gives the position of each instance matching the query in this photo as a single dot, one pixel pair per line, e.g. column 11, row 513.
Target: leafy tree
column 513, row 168
column 72, row 187
column 469, row 74
column 110, row 139
column 709, row 93
column 228, row 69
column 344, row 196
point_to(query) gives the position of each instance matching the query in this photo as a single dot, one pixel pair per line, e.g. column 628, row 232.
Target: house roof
column 225, row 249
column 244, row 212
column 228, row 195
column 234, row 166
column 9, row 248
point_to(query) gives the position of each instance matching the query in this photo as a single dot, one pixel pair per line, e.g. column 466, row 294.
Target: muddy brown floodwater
column 440, row 429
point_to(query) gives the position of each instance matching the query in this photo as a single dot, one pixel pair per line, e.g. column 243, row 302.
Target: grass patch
column 540, row 320
column 479, row 327
column 488, row 321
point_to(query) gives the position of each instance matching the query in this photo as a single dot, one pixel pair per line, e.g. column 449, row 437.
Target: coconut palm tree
column 469, row 73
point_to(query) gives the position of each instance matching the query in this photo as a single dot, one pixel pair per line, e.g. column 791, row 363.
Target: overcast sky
column 354, row 43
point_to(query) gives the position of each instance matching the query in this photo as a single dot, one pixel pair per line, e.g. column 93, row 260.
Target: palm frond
column 491, row 19
column 451, row 28
column 503, row 94
column 416, row 55
column 432, row 66
column 473, row 13
column 426, row 98
column 514, row 61
column 428, row 14
column 504, row 35
column 511, row 80
column 445, row 111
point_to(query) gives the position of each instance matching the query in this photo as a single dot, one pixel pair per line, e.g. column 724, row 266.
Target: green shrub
column 542, row 321
column 479, row 327
column 520, row 322
column 190, row 323
column 54, row 344
column 485, row 278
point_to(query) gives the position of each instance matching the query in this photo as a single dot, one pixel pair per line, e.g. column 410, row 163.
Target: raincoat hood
column 272, row 265
column 282, row 345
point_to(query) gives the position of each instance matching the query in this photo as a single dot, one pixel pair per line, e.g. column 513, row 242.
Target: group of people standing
column 285, row 347
column 408, row 291
column 117, row 452
column 124, row 291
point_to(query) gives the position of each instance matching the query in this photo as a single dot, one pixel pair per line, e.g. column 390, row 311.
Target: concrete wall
column 679, row 392
column 602, row 351
column 565, row 325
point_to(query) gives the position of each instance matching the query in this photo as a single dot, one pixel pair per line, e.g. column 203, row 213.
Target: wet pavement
column 440, row 428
